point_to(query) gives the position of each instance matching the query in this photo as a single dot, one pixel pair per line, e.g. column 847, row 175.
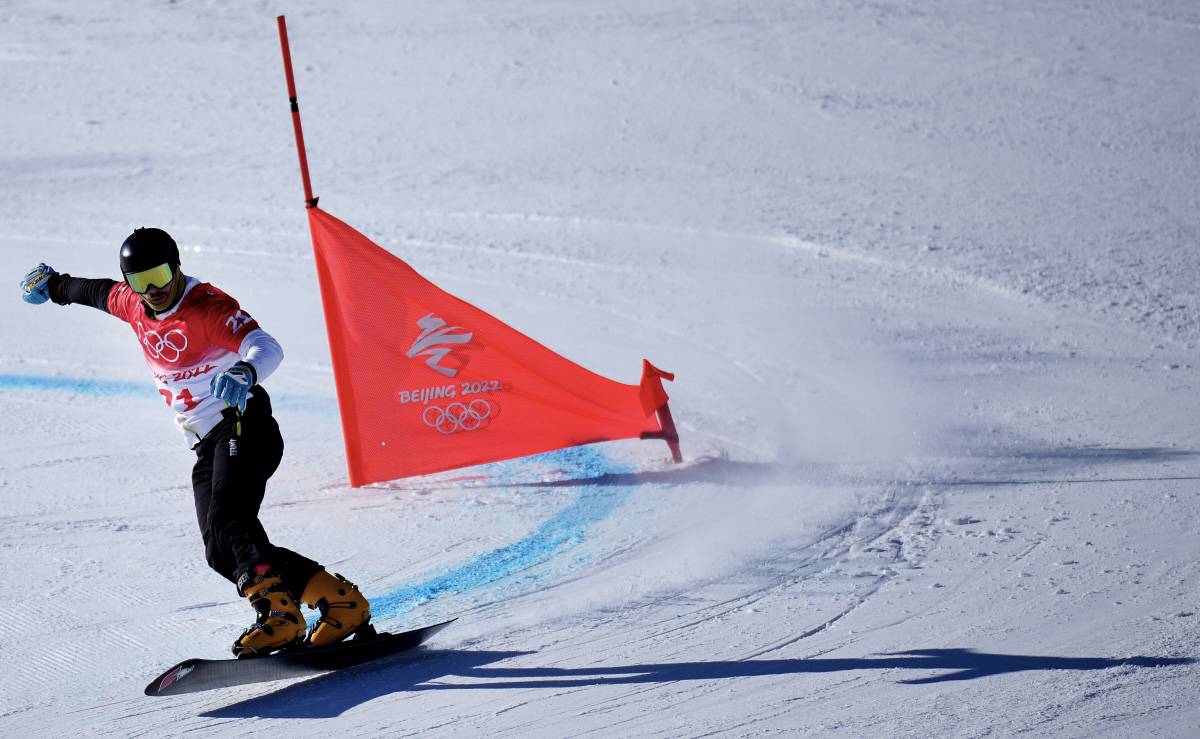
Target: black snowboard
column 195, row 675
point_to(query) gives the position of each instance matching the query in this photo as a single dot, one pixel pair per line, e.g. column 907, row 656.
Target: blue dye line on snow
column 77, row 385
column 562, row 531
column 118, row 388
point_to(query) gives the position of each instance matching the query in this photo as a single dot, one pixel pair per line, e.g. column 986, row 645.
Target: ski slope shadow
column 1064, row 465
column 961, row 664
column 704, row 470
column 331, row 695
column 1018, row 465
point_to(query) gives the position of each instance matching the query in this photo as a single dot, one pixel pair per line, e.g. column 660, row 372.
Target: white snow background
column 927, row 271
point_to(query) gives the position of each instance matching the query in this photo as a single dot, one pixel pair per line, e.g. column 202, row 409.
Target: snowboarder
column 208, row 357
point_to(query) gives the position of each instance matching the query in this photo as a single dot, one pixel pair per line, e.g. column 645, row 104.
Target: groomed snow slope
column 927, row 273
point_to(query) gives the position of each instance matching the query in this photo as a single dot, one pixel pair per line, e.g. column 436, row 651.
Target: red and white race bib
column 186, row 346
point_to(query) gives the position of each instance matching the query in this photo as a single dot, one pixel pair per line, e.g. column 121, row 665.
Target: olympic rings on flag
column 457, row 416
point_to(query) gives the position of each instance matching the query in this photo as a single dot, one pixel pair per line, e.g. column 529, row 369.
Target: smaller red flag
column 427, row 382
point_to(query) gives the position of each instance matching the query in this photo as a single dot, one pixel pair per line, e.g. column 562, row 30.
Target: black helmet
column 147, row 248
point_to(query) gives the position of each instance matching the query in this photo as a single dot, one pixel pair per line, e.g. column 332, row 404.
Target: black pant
column 229, row 481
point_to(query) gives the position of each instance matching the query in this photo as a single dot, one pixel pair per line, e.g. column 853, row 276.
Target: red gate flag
column 427, row 382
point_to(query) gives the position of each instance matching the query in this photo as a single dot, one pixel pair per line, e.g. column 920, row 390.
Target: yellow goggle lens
column 159, row 277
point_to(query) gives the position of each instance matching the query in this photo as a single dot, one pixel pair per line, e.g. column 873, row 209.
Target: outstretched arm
column 42, row 283
column 65, row 289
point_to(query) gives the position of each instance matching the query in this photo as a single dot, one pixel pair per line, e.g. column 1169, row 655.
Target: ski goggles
column 158, row 277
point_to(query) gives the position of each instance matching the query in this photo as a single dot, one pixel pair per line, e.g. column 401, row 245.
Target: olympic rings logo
column 167, row 348
column 457, row 416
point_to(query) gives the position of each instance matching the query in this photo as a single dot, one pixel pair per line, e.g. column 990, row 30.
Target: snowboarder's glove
column 233, row 385
column 35, row 285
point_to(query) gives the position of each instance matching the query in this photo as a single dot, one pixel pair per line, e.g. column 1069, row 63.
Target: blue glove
column 233, row 385
column 35, row 285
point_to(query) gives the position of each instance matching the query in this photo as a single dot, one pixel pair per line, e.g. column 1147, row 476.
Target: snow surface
column 927, row 272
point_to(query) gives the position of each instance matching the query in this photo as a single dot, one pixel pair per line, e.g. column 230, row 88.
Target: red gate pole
column 309, row 200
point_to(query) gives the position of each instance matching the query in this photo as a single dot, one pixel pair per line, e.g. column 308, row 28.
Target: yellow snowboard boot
column 343, row 608
column 279, row 623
